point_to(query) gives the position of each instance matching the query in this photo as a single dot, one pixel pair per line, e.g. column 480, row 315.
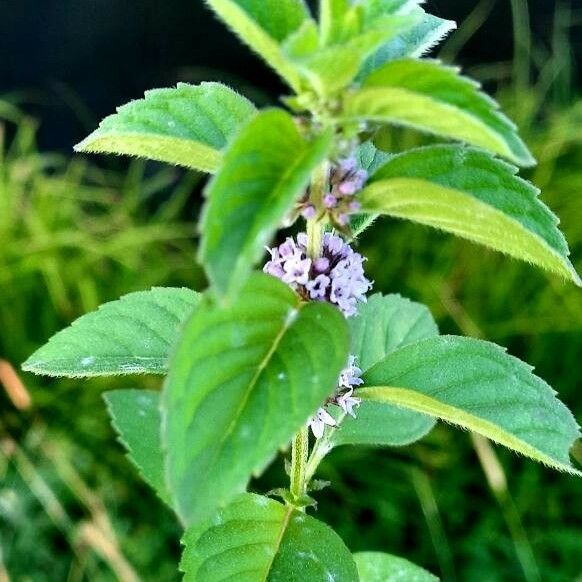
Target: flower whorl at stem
column 336, row 277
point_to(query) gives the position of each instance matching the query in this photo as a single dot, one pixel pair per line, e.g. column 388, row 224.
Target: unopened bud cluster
column 339, row 202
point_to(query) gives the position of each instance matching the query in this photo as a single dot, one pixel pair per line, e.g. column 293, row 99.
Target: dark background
column 76, row 60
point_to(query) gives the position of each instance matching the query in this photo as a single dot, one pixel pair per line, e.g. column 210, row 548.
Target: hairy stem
column 299, row 454
column 315, row 228
column 318, row 189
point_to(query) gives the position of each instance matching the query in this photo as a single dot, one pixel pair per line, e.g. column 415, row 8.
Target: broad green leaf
column 386, row 323
column 188, row 125
column 473, row 195
column 133, row 335
column 263, row 25
column 266, row 169
column 243, row 380
column 383, row 325
column 431, row 97
column 475, row 385
column 257, row 539
column 135, row 415
column 379, row 567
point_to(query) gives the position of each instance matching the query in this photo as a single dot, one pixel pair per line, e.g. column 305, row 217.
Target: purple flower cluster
column 343, row 398
column 336, row 277
column 346, row 181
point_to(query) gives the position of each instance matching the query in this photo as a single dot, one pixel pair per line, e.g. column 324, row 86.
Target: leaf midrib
column 278, row 541
column 423, row 403
column 287, row 325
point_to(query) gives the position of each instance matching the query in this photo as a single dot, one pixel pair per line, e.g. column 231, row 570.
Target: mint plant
column 301, row 357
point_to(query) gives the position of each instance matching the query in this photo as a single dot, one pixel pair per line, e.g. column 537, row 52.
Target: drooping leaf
column 257, row 539
column 133, row 335
column 468, row 193
column 188, row 125
column 379, row 567
column 431, row 97
column 266, row 169
column 386, row 323
column 243, row 380
column 477, row 386
column 383, row 325
column 135, row 415
column 263, row 25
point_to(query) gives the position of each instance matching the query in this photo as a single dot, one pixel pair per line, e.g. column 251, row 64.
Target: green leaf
column 243, row 380
column 468, row 193
column 188, row 126
column 386, row 323
column 379, row 567
column 133, row 335
column 256, row 539
column 369, row 158
column 333, row 18
column 383, row 325
column 420, row 39
column 430, row 97
column 332, row 68
column 266, row 169
column 477, row 386
column 263, row 25
column 136, row 417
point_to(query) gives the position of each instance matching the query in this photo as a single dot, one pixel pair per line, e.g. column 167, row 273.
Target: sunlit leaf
column 475, row 196
column 431, row 97
column 263, row 25
column 476, row 385
column 243, row 380
column 256, row 539
column 133, row 335
column 188, row 125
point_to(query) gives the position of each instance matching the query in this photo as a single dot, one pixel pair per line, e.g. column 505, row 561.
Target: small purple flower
column 336, row 277
column 318, row 287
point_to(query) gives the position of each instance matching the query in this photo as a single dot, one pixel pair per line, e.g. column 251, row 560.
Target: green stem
column 299, row 454
column 315, row 228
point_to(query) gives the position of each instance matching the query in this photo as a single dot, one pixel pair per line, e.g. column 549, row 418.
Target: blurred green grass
column 74, row 235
